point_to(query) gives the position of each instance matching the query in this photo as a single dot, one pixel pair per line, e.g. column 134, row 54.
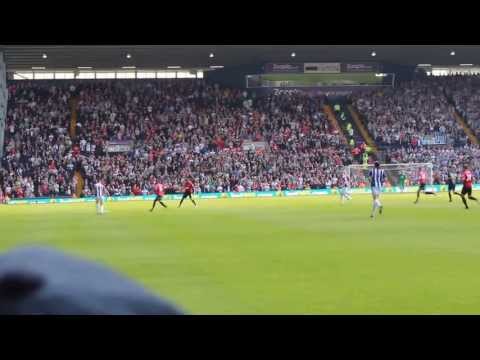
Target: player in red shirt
column 160, row 192
column 467, row 178
column 187, row 192
column 422, row 179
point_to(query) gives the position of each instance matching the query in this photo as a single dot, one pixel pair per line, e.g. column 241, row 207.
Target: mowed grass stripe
column 277, row 255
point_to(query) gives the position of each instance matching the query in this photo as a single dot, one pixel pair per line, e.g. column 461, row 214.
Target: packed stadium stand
column 178, row 128
column 59, row 134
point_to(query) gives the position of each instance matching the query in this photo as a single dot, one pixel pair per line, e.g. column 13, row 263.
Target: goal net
column 399, row 177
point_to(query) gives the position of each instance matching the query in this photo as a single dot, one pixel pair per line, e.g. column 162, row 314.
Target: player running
column 377, row 179
column 467, row 179
column 160, row 192
column 187, row 192
column 422, row 179
column 344, row 188
column 451, row 180
column 100, row 193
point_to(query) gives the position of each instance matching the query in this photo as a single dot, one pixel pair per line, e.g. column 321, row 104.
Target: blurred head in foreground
column 38, row 280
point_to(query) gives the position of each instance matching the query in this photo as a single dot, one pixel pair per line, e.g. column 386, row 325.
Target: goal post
column 399, row 177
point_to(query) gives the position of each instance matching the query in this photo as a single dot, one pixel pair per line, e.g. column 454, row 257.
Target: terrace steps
column 468, row 131
column 361, row 127
column 73, row 117
column 332, row 119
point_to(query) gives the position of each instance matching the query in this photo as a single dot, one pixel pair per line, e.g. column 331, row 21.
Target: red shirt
column 136, row 190
column 423, row 177
column 188, row 186
column 159, row 189
column 467, row 179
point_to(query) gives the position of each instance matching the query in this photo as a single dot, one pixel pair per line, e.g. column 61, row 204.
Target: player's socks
column 194, row 203
column 450, row 196
column 379, row 206
column 374, row 209
column 161, row 203
column 464, row 202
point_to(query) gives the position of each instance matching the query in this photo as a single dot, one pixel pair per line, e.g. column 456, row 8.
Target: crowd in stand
column 403, row 119
column 36, row 159
column 176, row 129
column 410, row 114
column 226, row 140
column 465, row 92
column 445, row 159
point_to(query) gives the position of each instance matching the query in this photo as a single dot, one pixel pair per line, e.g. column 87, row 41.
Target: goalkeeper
column 401, row 182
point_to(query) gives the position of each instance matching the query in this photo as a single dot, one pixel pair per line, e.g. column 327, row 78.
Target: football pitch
column 303, row 255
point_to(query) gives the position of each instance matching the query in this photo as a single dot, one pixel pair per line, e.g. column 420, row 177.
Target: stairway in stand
column 461, row 121
column 80, row 184
column 468, row 131
column 73, row 102
column 80, row 181
column 332, row 119
column 362, row 128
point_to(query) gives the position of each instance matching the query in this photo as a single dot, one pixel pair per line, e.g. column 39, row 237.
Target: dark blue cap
column 37, row 280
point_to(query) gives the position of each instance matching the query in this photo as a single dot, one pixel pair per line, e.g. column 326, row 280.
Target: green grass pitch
column 307, row 255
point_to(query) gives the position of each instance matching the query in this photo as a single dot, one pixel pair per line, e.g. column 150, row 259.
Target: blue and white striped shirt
column 377, row 177
column 100, row 190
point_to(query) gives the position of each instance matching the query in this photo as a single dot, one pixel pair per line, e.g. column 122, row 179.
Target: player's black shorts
column 187, row 193
column 467, row 191
column 451, row 187
column 159, row 198
column 422, row 187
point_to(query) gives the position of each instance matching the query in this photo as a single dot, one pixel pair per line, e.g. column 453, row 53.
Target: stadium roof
column 22, row 57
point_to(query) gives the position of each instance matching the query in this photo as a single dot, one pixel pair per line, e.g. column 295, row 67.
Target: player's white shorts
column 100, row 199
column 376, row 190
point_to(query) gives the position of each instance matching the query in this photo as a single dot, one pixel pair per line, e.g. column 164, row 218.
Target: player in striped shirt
column 160, row 192
column 100, row 193
column 467, row 178
column 422, row 180
column 377, row 179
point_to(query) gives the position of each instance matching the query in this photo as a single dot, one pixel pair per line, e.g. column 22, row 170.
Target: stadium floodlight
column 128, row 56
column 44, row 56
column 84, row 67
column 216, row 67
column 374, row 53
column 38, row 67
column 174, row 67
column 293, row 54
column 452, row 53
column 211, row 55
column 466, row 64
column 129, row 67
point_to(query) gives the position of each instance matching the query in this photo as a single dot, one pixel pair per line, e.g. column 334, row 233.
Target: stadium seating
column 226, row 139
column 177, row 128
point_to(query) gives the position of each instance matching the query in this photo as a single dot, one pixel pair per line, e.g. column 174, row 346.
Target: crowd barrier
column 256, row 194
